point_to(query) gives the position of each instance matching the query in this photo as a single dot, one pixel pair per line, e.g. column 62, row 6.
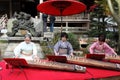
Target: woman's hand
column 36, row 59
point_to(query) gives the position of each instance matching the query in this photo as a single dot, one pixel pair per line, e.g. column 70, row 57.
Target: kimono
column 63, row 48
column 26, row 51
column 103, row 48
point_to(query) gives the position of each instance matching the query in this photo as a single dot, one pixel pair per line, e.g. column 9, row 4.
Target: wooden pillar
column 67, row 27
column 40, row 14
column 10, row 7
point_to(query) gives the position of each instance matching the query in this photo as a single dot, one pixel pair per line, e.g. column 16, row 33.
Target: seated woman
column 63, row 47
column 101, row 47
column 26, row 49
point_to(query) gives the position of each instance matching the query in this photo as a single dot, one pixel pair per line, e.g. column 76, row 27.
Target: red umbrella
column 61, row 7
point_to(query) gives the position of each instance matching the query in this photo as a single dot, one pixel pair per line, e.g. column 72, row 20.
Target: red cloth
column 43, row 74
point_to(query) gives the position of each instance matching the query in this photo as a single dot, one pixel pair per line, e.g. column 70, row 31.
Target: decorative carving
column 23, row 22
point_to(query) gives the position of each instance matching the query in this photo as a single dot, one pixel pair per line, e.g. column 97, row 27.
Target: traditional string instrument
column 20, row 62
column 93, row 63
column 103, row 57
column 56, row 66
column 115, row 59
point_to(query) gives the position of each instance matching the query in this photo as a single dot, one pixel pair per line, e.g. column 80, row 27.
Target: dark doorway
column 30, row 7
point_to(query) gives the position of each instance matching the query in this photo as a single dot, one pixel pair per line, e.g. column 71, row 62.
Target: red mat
column 42, row 74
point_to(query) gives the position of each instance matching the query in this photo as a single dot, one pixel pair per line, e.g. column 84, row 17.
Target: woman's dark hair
column 102, row 37
column 64, row 35
column 28, row 35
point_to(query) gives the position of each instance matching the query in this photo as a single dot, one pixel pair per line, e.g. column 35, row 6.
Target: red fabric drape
column 42, row 74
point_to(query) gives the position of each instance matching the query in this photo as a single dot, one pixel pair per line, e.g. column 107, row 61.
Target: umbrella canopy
column 61, row 7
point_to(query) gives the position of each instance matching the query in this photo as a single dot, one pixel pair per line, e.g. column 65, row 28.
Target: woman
column 101, row 47
column 26, row 49
column 63, row 47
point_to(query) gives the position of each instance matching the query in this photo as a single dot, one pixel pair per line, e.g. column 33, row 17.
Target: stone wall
column 3, row 46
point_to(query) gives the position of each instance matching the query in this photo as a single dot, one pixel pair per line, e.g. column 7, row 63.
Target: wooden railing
column 70, row 29
column 77, row 17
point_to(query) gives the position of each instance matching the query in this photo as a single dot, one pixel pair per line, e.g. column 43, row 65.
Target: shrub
column 74, row 41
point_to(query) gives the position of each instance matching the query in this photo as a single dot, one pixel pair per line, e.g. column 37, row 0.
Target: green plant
column 3, row 41
column 72, row 38
column 47, row 47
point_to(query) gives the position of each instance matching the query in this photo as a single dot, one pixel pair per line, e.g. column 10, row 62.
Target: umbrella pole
column 61, row 10
column 61, row 23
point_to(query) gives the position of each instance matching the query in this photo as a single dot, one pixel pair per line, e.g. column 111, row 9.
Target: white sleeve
column 17, row 50
column 34, row 50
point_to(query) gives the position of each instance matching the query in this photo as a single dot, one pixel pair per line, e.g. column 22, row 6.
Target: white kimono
column 27, row 49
